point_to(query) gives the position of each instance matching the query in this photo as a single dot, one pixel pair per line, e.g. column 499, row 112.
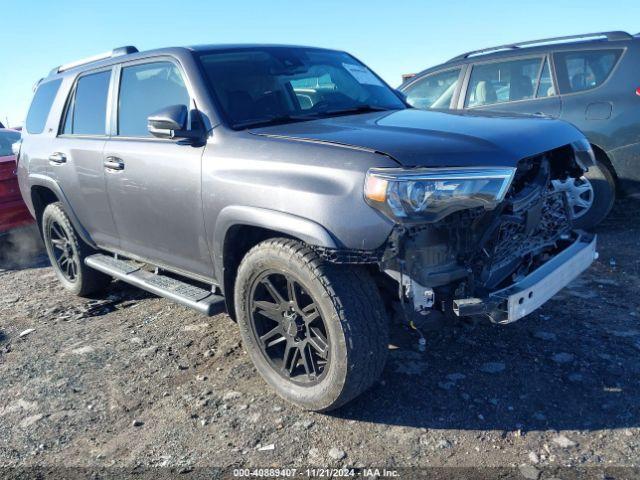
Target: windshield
column 7, row 138
column 269, row 85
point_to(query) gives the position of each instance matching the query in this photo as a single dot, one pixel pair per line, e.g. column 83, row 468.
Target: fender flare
column 302, row 228
column 48, row 182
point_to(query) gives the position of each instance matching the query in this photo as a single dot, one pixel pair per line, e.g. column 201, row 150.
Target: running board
column 184, row 293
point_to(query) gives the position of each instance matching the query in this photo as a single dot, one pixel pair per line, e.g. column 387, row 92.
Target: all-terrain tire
column 604, row 196
column 351, row 307
column 87, row 280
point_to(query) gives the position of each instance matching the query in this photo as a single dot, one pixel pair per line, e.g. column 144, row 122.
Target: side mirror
column 170, row 122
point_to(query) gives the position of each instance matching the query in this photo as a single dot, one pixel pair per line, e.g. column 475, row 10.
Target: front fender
column 304, row 229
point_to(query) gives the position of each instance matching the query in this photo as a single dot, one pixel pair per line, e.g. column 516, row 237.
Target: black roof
column 246, row 46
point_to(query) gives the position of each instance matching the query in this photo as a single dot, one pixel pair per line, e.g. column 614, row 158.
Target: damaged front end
column 496, row 242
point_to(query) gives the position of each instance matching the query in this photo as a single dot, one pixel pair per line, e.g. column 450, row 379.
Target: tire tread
column 91, row 280
column 359, row 308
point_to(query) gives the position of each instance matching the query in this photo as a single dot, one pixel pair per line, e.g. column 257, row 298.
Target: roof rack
column 610, row 36
column 116, row 52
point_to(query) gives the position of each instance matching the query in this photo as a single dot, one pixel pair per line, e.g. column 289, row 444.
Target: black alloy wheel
column 288, row 326
column 67, row 252
column 65, row 255
column 316, row 332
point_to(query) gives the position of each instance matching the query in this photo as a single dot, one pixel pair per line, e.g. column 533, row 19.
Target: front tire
column 67, row 252
column 316, row 332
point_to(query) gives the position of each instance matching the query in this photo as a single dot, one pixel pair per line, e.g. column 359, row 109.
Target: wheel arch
column 240, row 228
column 41, row 197
column 602, row 157
column 45, row 191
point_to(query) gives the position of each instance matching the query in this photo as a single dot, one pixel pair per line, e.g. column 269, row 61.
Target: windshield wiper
column 281, row 119
column 355, row 109
column 275, row 120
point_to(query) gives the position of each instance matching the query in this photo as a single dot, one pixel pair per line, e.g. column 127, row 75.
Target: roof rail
column 116, row 52
column 610, row 36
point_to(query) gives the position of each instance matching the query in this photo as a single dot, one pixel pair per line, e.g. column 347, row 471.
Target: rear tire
column 67, row 251
column 350, row 315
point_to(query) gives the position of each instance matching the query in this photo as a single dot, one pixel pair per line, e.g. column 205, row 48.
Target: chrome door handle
column 114, row 163
column 58, row 158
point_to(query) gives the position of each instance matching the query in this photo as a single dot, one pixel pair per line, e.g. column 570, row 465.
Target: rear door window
column 582, row 70
column 500, row 82
column 41, row 105
column 145, row 89
column 433, row 91
column 87, row 107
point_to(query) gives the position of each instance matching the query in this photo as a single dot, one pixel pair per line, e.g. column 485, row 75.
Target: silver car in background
column 588, row 80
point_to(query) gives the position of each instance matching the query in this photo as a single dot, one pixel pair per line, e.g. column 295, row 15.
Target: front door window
column 433, row 91
column 145, row 89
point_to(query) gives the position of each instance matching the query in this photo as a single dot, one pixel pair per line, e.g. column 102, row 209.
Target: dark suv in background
column 589, row 80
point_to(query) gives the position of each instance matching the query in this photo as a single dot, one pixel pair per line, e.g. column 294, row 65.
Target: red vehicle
column 13, row 211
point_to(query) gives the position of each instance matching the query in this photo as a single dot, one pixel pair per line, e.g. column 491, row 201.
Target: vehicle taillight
column 638, row 91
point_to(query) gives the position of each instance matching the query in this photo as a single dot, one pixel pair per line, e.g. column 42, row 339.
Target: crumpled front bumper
column 526, row 295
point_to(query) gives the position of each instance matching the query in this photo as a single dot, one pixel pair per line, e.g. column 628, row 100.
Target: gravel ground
column 131, row 380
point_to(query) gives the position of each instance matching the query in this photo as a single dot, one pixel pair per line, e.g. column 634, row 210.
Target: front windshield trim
column 305, row 118
column 390, row 99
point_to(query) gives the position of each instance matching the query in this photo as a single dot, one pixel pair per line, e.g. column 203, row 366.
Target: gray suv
column 589, row 80
column 294, row 186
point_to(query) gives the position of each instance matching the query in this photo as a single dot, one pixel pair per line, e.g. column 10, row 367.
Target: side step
column 184, row 293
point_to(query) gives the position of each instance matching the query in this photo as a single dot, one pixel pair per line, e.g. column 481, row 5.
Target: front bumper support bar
column 526, row 295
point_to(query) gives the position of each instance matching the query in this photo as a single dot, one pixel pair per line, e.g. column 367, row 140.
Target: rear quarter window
column 41, row 105
column 583, row 70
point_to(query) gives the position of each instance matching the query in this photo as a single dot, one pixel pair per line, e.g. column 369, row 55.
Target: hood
column 419, row 138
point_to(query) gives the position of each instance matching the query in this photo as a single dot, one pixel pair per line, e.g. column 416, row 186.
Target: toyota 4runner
column 294, row 186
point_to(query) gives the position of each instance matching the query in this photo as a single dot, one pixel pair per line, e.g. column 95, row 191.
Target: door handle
column 58, row 158
column 114, row 163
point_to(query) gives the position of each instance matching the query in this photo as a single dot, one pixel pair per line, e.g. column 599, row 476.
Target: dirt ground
column 131, row 380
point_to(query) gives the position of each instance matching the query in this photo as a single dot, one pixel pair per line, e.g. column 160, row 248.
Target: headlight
column 430, row 194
